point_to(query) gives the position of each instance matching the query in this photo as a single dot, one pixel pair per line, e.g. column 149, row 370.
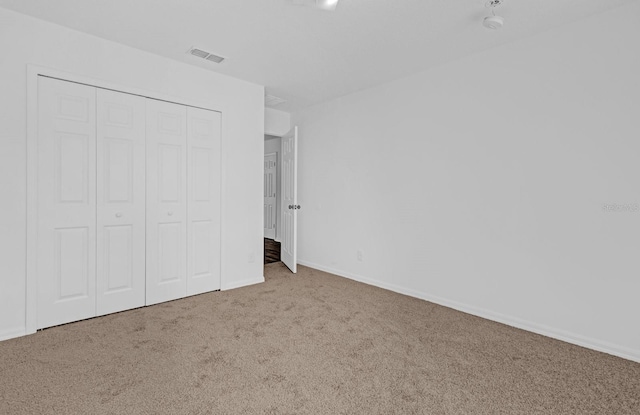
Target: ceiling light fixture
column 493, row 22
column 329, row 5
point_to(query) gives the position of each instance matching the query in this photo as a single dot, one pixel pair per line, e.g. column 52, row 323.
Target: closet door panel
column 166, row 201
column 203, row 265
column 66, row 247
column 121, row 202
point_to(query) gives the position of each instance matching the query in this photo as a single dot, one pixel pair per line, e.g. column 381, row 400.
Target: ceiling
column 303, row 55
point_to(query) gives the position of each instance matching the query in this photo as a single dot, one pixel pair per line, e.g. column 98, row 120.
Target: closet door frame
column 35, row 71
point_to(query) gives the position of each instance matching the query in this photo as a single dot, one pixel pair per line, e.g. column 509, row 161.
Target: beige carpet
column 306, row 344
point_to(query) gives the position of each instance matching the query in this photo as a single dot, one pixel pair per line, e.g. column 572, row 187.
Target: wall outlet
column 359, row 255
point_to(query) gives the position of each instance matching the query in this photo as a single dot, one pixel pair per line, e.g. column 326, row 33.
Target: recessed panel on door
column 72, row 164
column 203, row 265
column 202, row 238
column 118, row 268
column 166, row 253
column 66, row 248
column 121, row 171
column 171, row 180
column 170, row 247
column 71, row 264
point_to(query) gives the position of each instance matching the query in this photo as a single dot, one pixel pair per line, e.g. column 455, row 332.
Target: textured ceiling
column 303, row 55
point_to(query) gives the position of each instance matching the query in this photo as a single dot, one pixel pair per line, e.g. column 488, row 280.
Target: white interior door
column 166, row 201
column 290, row 205
column 120, row 201
column 203, row 248
column 66, row 265
column 270, row 183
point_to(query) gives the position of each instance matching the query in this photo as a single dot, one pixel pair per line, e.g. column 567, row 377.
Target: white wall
column 276, row 122
column 482, row 184
column 24, row 40
column 274, row 145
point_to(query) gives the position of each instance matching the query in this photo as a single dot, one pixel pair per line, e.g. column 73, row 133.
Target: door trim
column 33, row 72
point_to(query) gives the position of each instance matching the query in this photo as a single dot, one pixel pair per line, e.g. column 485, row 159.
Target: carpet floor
column 311, row 343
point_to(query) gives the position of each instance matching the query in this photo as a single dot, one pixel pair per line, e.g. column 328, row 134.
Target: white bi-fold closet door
column 128, row 201
column 66, row 253
column 183, row 201
column 120, row 195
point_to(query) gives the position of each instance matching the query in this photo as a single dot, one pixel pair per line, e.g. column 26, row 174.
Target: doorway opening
column 272, row 198
column 281, row 195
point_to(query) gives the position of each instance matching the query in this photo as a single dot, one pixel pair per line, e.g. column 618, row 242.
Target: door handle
column 170, row 213
column 118, row 215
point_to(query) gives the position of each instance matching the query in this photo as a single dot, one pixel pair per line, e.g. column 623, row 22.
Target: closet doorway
column 124, row 200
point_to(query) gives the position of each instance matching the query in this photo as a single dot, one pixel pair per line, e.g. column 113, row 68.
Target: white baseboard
column 548, row 331
column 12, row 334
column 243, row 283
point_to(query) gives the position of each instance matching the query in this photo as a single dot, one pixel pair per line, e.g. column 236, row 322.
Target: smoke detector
column 493, row 22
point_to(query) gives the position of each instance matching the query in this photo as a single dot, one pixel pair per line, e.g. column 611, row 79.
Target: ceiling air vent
column 206, row 55
column 271, row 101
